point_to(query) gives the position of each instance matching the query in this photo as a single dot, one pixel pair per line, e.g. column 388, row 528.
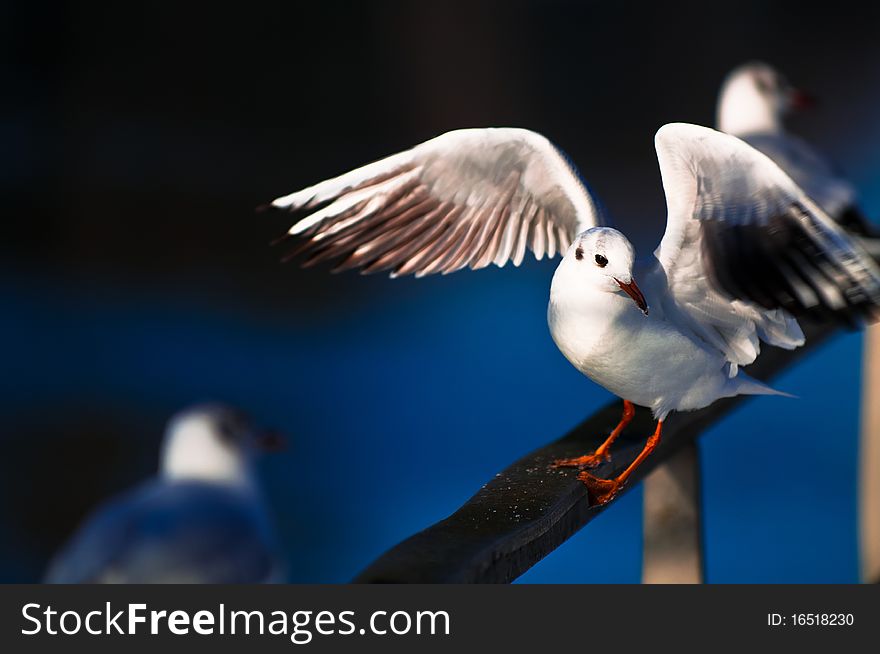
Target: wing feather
column 467, row 198
column 745, row 247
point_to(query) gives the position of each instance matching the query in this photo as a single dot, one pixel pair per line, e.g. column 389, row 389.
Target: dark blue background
column 136, row 280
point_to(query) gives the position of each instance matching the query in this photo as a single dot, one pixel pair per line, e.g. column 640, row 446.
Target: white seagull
column 202, row 520
column 674, row 341
column 753, row 103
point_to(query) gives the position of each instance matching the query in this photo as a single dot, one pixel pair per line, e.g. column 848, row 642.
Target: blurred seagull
column 753, row 103
column 674, row 341
column 202, row 520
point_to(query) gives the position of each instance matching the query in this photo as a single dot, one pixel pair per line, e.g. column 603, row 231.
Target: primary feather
column 467, row 198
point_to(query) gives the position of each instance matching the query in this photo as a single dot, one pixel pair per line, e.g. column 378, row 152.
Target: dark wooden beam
column 528, row 509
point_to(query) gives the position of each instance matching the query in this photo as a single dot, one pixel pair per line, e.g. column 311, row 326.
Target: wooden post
column 672, row 541
column 869, row 460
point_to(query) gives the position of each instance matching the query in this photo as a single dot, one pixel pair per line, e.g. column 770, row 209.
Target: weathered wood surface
column 528, row 509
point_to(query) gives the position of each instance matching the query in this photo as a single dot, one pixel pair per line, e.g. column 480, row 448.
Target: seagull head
column 213, row 443
column 755, row 97
column 600, row 259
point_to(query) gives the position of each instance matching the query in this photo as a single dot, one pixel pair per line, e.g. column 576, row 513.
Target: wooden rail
column 528, row 510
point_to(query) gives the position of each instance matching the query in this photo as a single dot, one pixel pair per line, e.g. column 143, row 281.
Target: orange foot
column 600, row 491
column 603, row 452
column 585, row 461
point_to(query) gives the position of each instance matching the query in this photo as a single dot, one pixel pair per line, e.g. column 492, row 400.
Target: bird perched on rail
column 671, row 341
column 754, row 101
column 203, row 520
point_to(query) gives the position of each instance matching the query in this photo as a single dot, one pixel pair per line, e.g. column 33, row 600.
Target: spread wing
column 807, row 169
column 467, row 198
column 738, row 226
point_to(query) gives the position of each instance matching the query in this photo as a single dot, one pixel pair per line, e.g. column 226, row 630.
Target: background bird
column 473, row 197
column 202, row 520
column 753, row 103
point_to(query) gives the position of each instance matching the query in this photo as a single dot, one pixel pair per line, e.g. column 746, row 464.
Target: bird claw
column 586, row 461
column 600, row 491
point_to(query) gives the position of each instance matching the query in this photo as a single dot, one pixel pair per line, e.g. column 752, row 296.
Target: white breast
column 640, row 358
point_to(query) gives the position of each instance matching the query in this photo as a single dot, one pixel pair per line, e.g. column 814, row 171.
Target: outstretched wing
column 739, row 227
column 807, row 169
column 467, row 198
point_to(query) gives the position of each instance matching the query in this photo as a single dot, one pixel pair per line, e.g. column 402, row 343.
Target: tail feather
column 742, row 384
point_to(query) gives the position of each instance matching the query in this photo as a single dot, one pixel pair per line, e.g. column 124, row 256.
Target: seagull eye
column 227, row 432
column 232, row 427
column 601, row 261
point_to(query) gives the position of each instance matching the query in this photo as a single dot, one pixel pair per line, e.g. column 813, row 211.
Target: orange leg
column 602, row 453
column 602, row 490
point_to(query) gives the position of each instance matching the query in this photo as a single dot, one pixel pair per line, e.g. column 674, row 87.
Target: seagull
column 674, row 340
column 202, row 520
column 753, row 103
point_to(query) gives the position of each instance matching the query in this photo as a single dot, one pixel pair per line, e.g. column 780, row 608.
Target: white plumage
column 464, row 199
column 474, row 197
column 752, row 105
column 685, row 353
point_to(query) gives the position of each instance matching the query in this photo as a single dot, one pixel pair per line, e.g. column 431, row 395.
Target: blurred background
column 135, row 278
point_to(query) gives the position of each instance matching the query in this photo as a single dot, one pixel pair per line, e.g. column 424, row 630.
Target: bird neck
column 743, row 110
column 580, row 317
column 194, row 454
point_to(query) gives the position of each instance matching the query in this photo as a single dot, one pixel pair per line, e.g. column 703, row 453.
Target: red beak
column 635, row 293
column 801, row 99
